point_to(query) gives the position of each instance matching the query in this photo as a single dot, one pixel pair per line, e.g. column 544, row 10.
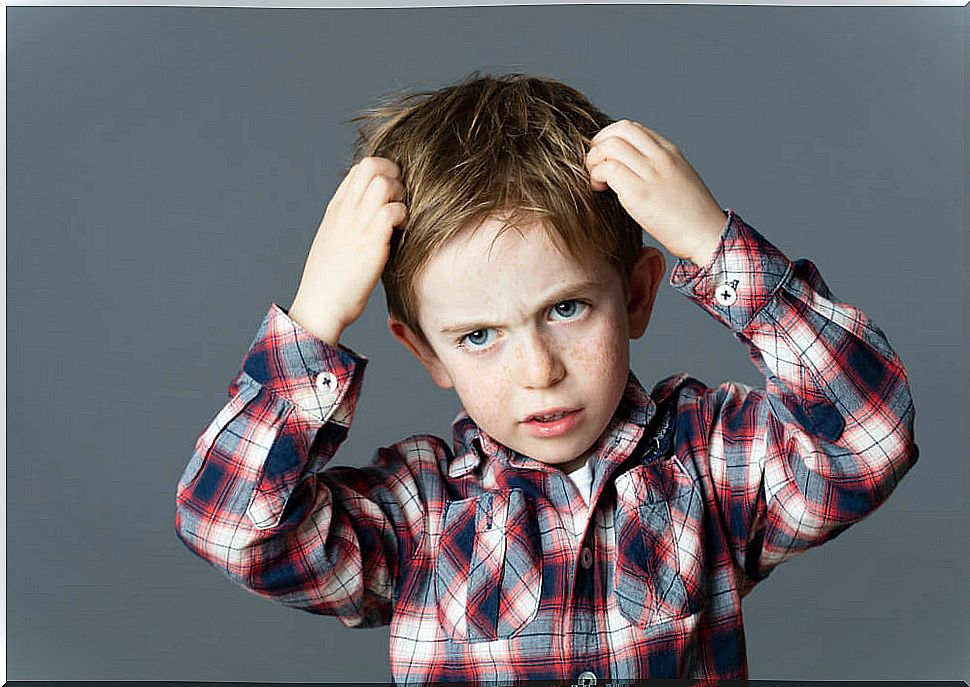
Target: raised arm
column 830, row 435
column 254, row 499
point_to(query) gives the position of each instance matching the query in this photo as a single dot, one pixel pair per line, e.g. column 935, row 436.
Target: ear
column 644, row 282
column 427, row 357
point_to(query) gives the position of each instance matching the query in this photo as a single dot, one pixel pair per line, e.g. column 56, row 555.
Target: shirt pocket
column 659, row 572
column 488, row 571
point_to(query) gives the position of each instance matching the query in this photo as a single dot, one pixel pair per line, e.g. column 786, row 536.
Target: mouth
column 550, row 415
column 554, row 422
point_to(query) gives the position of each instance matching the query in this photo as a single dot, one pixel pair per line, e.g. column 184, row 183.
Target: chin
column 566, row 455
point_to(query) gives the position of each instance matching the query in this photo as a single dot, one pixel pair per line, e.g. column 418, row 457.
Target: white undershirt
column 582, row 477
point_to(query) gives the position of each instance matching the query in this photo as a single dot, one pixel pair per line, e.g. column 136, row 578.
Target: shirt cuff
column 321, row 380
column 742, row 276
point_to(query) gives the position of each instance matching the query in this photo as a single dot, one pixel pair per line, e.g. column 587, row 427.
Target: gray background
column 168, row 167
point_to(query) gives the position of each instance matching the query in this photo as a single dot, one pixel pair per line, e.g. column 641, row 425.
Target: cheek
column 483, row 393
column 602, row 353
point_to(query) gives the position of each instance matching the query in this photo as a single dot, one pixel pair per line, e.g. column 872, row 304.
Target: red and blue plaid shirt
column 483, row 560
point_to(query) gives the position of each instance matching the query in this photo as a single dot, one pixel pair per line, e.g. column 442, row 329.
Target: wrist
column 703, row 255
column 328, row 331
column 704, row 252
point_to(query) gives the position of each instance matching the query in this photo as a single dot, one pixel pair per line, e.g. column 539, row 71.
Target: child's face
column 532, row 331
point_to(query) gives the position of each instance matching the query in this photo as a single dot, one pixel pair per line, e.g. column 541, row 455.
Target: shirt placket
column 589, row 656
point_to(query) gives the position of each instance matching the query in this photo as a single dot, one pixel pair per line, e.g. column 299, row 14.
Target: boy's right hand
column 350, row 249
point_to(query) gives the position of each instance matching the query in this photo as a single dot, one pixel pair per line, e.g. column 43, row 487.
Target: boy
column 578, row 529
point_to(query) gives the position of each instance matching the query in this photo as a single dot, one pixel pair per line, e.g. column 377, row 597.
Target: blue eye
column 570, row 309
column 475, row 341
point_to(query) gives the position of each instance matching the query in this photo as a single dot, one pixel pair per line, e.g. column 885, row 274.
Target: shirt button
column 327, row 383
column 586, row 678
column 726, row 295
column 586, row 560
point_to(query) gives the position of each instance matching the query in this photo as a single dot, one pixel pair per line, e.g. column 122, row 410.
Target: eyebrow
column 563, row 294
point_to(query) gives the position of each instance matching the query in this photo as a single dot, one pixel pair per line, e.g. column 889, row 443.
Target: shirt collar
column 633, row 414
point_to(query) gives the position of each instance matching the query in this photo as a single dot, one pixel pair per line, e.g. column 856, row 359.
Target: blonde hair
column 510, row 147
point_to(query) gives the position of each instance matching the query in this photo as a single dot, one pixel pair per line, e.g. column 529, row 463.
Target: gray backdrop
column 168, row 167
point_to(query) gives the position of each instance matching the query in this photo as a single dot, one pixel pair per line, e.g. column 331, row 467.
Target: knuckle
column 381, row 184
column 611, row 145
column 392, row 213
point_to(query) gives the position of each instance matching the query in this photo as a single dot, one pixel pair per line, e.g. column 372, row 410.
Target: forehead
column 480, row 273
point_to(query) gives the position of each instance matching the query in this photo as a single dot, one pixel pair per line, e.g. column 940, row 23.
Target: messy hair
column 510, row 147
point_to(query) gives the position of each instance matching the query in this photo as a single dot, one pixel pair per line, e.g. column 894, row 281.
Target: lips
column 551, row 429
column 551, row 412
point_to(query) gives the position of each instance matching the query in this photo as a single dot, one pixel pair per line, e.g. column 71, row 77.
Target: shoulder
column 417, row 453
column 679, row 388
column 691, row 395
column 418, row 448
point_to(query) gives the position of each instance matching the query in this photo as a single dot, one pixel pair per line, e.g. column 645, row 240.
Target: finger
column 380, row 191
column 344, row 184
column 658, row 139
column 368, row 168
column 388, row 218
column 620, row 127
column 616, row 148
column 396, row 214
column 624, row 181
column 638, row 135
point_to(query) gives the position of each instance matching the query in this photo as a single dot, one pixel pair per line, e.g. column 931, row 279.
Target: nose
column 539, row 362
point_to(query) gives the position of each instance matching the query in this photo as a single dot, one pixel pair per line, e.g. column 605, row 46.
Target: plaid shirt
column 484, row 561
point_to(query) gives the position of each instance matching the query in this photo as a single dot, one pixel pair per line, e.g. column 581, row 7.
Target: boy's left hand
column 658, row 188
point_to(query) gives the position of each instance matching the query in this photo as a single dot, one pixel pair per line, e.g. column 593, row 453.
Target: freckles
column 488, row 393
column 592, row 355
column 587, row 357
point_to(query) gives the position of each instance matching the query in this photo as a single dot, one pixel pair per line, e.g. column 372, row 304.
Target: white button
column 726, row 295
column 586, row 678
column 586, row 559
column 327, row 383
